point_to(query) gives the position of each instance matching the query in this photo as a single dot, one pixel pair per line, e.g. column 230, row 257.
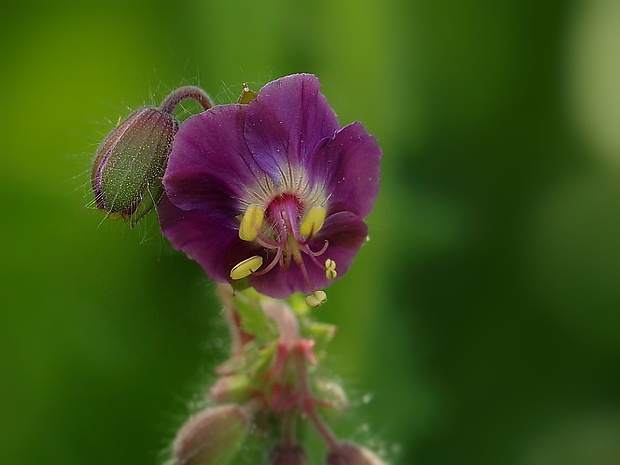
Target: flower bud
column 213, row 437
column 283, row 454
column 130, row 163
column 351, row 454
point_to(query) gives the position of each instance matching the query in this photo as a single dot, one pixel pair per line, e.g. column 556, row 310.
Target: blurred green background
column 481, row 323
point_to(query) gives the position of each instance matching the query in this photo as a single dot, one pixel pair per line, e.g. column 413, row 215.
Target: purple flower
column 274, row 191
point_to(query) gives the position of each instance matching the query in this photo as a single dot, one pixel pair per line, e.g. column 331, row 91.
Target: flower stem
column 289, row 423
column 182, row 93
column 328, row 436
column 307, row 400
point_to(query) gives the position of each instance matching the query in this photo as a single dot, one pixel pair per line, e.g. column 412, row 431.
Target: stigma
column 285, row 229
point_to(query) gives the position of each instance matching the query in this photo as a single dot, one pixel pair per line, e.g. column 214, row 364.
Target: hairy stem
column 307, row 399
column 183, row 93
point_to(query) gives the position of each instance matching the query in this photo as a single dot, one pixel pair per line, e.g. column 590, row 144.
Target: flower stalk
column 275, row 348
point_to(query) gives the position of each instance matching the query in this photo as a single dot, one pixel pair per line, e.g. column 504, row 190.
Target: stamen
column 304, row 272
column 313, row 221
column 321, row 295
column 330, row 269
column 313, row 255
column 251, row 222
column 286, row 238
column 246, row 267
column 319, row 252
column 276, row 260
column 316, row 299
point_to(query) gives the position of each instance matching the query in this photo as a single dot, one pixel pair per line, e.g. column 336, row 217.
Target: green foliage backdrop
column 481, row 323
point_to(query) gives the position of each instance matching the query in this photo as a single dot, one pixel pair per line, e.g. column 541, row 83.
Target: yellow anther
column 251, row 222
column 316, row 299
column 246, row 267
column 330, row 269
column 313, row 221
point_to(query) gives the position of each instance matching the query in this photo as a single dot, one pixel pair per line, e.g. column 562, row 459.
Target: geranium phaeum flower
column 274, row 191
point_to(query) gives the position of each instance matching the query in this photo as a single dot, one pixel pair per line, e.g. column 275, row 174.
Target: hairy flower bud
column 213, row 437
column 130, row 163
column 351, row 454
column 283, row 454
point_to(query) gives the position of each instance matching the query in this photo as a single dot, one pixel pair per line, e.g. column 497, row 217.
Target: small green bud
column 351, row 454
column 130, row 164
column 213, row 437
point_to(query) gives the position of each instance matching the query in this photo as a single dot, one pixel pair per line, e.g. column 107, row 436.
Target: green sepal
column 321, row 333
column 253, row 319
column 247, row 95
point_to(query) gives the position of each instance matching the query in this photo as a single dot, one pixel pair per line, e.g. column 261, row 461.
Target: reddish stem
column 183, row 93
column 306, row 399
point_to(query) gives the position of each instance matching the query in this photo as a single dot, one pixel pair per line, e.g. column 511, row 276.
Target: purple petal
column 203, row 192
column 286, row 122
column 345, row 232
column 210, row 160
column 348, row 166
column 213, row 243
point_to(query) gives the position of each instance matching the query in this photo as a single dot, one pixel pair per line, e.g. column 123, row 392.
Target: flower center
column 285, row 230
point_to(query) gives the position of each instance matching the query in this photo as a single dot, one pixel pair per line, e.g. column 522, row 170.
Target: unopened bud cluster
column 267, row 388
